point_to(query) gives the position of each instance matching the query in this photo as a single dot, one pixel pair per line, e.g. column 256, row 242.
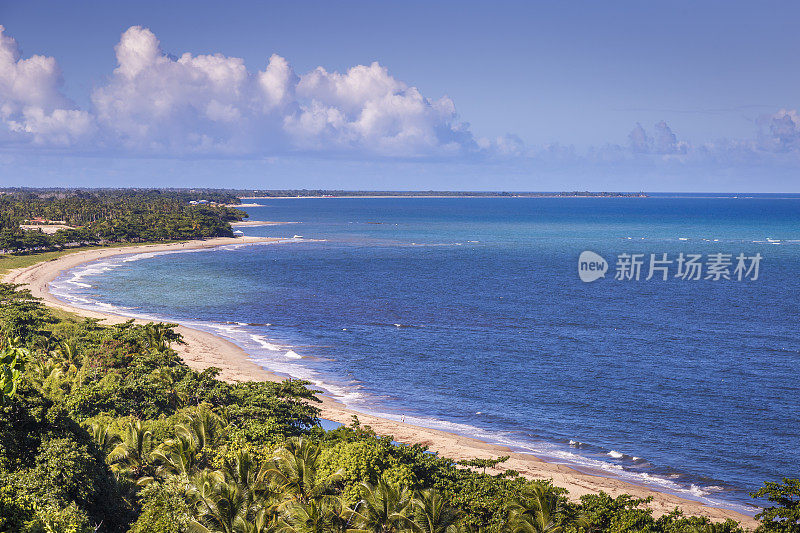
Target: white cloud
column 662, row 142
column 210, row 104
column 367, row 107
column 665, row 141
column 154, row 103
column 348, row 91
column 31, row 104
column 780, row 132
column 60, row 127
column 277, row 83
column 638, row 140
column 508, row 145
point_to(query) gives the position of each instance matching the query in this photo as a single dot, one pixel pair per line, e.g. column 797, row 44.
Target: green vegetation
column 11, row 367
column 484, row 463
column 784, row 514
column 104, row 428
column 110, row 216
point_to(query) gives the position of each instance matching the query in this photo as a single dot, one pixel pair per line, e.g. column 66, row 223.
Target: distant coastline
column 261, row 195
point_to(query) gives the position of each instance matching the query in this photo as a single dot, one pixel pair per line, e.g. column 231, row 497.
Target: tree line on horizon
column 112, row 216
column 271, row 193
column 105, row 429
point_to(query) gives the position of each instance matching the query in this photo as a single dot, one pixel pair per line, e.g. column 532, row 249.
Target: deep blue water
column 468, row 315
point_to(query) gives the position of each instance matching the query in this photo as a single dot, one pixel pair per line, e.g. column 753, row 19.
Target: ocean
column 469, row 315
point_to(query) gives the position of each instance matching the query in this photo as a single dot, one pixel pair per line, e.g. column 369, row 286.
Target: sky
column 535, row 96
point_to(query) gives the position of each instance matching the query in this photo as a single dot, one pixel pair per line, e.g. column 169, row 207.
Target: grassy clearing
column 9, row 262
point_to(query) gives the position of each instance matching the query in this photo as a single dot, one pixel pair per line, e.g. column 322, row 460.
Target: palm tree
column 534, row 511
column 340, row 513
column 184, row 455
column 203, row 484
column 469, row 528
column 293, row 471
column 221, row 507
column 105, row 440
column 203, row 495
column 44, row 369
column 262, row 522
column 432, row 513
column 311, row 517
column 384, row 508
column 233, row 499
column 129, row 457
column 67, row 352
column 167, row 378
column 328, row 514
column 201, row 428
column 243, row 469
column 176, row 457
column 159, row 336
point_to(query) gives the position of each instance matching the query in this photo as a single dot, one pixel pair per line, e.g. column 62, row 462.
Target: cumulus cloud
column 368, row 107
column 638, row 140
column 777, row 141
column 31, row 103
column 663, row 141
column 780, row 132
column 508, row 145
column 154, row 103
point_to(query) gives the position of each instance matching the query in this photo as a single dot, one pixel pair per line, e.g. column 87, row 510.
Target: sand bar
column 204, row 350
column 246, row 223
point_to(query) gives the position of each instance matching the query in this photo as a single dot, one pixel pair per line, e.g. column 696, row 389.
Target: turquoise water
column 468, row 315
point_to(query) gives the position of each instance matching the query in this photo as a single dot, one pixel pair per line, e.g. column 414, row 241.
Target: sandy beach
column 204, row 350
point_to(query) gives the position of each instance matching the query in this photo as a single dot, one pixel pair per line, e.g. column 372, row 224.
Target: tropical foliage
column 784, row 513
column 112, row 216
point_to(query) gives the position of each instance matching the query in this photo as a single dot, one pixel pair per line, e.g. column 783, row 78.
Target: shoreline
column 205, row 349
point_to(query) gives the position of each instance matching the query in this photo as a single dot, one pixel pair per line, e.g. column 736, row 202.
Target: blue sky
column 411, row 95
